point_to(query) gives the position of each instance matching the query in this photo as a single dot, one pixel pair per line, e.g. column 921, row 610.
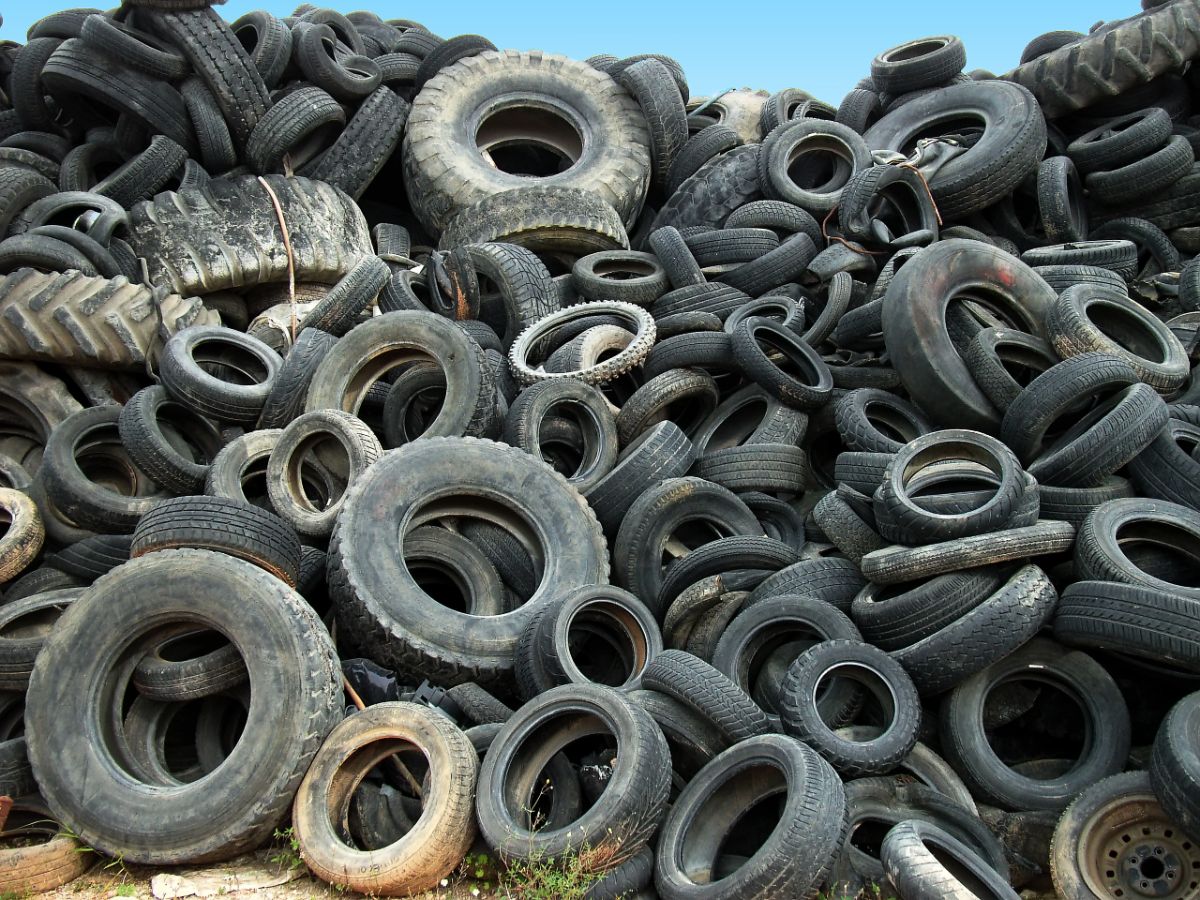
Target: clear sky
column 823, row 48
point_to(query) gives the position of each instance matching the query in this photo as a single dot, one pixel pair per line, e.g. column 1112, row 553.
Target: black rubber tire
column 346, row 76
column 1119, row 257
column 771, row 468
column 575, row 401
column 621, row 822
column 1048, row 42
column 700, row 149
column 620, row 275
column 1175, row 766
column 435, row 844
column 1003, row 361
column 339, row 310
column 914, row 331
column 176, row 456
column 1118, row 58
column 699, row 686
column 1102, row 442
column 651, row 83
column 923, row 860
column 478, row 705
column 1104, row 542
column 734, row 424
column 897, row 564
column 727, row 554
column 1060, row 201
column 268, row 41
column 715, row 191
column 382, row 345
column 653, row 518
column 1159, row 359
column 887, row 802
column 225, row 526
column 449, row 52
column 241, row 466
column 366, row 144
column 662, row 452
column 894, row 618
column 785, row 264
column 173, row 242
column 286, row 398
column 545, row 218
column 1013, row 141
column 789, row 143
column 88, row 559
column 809, row 393
column 794, row 861
column 80, row 75
column 1148, row 175
column 338, row 448
column 1122, row 140
column 899, row 515
column 289, row 655
column 989, row 632
column 1079, row 859
column 676, row 258
column 107, row 507
column 967, row 746
column 385, row 610
column 204, row 671
column 860, row 413
column 1131, row 619
column 194, row 378
column 923, row 63
column 870, row 668
column 25, row 626
column 617, row 166
column 684, row 396
column 216, row 55
column 298, row 127
column 835, row 581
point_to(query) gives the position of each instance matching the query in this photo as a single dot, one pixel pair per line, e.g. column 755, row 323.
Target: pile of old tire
column 454, row 450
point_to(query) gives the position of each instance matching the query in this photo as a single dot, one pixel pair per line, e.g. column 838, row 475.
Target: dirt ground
column 255, row 877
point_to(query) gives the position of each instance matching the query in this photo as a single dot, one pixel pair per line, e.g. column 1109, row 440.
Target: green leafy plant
column 287, row 849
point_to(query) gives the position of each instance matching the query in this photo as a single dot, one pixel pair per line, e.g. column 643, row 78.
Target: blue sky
column 821, row 47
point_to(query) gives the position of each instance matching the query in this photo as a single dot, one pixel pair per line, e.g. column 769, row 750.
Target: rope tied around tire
column 287, row 245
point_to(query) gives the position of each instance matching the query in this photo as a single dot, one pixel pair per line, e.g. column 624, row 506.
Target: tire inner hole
column 1036, row 726
column 529, row 140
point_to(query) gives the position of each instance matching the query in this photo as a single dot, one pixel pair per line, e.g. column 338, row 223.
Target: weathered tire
column 290, row 657
column 185, row 237
column 441, row 835
column 380, row 605
column 447, row 160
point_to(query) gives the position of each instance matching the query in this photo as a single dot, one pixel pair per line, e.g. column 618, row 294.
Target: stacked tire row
column 441, row 447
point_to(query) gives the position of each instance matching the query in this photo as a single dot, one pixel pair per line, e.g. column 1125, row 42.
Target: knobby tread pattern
column 1104, row 65
column 698, row 685
column 440, row 187
column 225, row 235
column 77, row 319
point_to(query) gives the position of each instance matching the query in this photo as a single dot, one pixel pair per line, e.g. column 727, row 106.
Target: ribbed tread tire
column 226, row 526
column 88, row 321
column 1175, row 765
column 696, row 684
column 1131, row 619
column 226, row 234
column 218, row 57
